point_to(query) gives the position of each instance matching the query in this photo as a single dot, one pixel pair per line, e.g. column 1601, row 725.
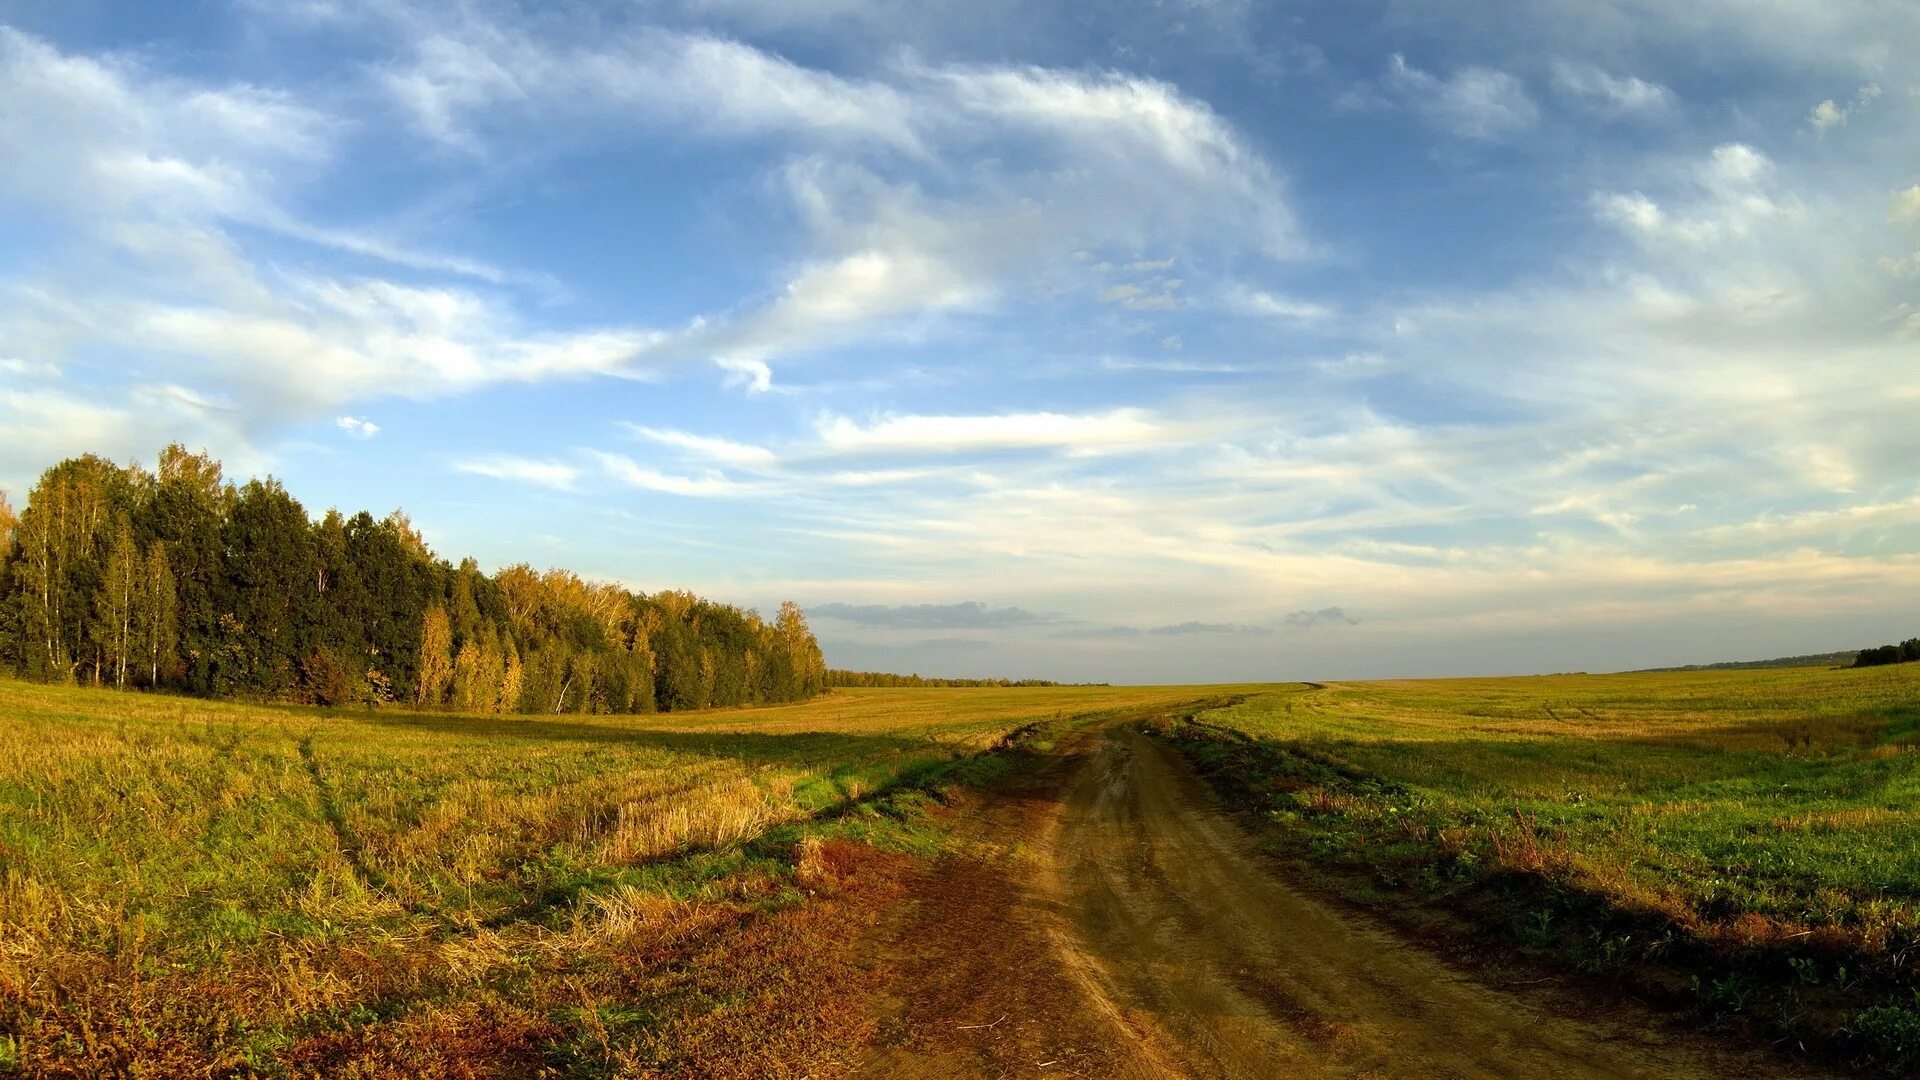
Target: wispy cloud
column 1010, row 431
column 542, row 472
column 1617, row 94
column 725, row 451
column 1473, row 103
column 1275, row 305
column 633, row 474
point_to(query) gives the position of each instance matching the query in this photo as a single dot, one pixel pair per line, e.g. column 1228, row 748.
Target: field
column 191, row 885
column 1742, row 838
column 213, row 888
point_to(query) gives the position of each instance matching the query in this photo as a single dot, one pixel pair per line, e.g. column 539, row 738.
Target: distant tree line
column 1905, row 652
column 179, row 580
column 842, row 677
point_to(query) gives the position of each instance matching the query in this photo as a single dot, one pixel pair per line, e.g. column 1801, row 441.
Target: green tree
column 61, row 534
column 181, row 579
column 115, row 610
column 156, row 615
column 266, row 591
column 185, row 512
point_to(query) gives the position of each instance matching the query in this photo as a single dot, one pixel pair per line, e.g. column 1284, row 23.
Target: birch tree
column 156, row 617
column 120, row 596
column 436, row 657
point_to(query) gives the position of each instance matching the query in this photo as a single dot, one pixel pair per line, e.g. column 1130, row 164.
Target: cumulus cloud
column 1725, row 198
column 1828, row 115
column 1905, row 205
column 359, row 429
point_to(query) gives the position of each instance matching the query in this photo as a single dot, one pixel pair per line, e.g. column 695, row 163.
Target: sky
column 1133, row 341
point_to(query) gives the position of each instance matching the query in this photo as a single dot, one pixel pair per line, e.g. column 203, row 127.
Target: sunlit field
column 1763, row 821
column 189, row 884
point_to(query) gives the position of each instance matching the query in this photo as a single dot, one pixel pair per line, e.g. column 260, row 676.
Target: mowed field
column 191, row 886
column 1745, row 841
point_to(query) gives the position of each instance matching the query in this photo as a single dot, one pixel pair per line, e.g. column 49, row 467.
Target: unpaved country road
column 1123, row 926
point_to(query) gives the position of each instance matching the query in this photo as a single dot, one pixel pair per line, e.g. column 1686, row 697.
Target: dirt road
column 1109, row 919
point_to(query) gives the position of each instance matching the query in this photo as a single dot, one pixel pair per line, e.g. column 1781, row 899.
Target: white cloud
column 476, row 72
column 1828, row 115
column 1616, row 94
column 359, row 429
column 544, row 472
column 1275, row 305
column 1107, row 159
column 111, row 145
column 1728, row 196
column 29, row 369
column 1842, row 520
column 634, row 474
column 1838, row 38
column 1162, row 294
column 1011, row 431
column 725, row 451
column 322, row 342
column 1473, row 103
column 1905, row 205
column 167, row 186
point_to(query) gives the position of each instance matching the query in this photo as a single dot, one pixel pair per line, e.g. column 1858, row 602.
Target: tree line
column 837, row 677
column 176, row 579
column 1905, row 652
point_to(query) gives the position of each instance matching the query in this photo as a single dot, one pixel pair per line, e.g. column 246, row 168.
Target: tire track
column 1247, row 977
column 344, row 836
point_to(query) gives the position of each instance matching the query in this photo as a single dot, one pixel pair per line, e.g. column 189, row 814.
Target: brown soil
column 1106, row 918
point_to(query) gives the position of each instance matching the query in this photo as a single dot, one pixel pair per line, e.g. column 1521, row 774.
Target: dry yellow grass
column 189, row 885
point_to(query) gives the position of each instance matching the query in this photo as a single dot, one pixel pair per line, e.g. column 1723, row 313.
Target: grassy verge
column 192, row 887
column 1739, row 843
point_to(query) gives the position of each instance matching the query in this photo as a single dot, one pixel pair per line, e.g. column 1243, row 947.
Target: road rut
column 1129, row 928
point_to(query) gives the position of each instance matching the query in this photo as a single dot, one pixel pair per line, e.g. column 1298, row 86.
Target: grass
column 195, row 887
column 1746, row 835
column 210, row 887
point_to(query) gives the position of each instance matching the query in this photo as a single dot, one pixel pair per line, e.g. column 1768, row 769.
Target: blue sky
column 1137, row 341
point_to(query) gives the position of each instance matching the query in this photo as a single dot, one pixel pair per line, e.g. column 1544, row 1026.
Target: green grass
column 190, row 884
column 1758, row 826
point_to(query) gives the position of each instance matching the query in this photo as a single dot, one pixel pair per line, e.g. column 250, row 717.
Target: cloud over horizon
column 1542, row 338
